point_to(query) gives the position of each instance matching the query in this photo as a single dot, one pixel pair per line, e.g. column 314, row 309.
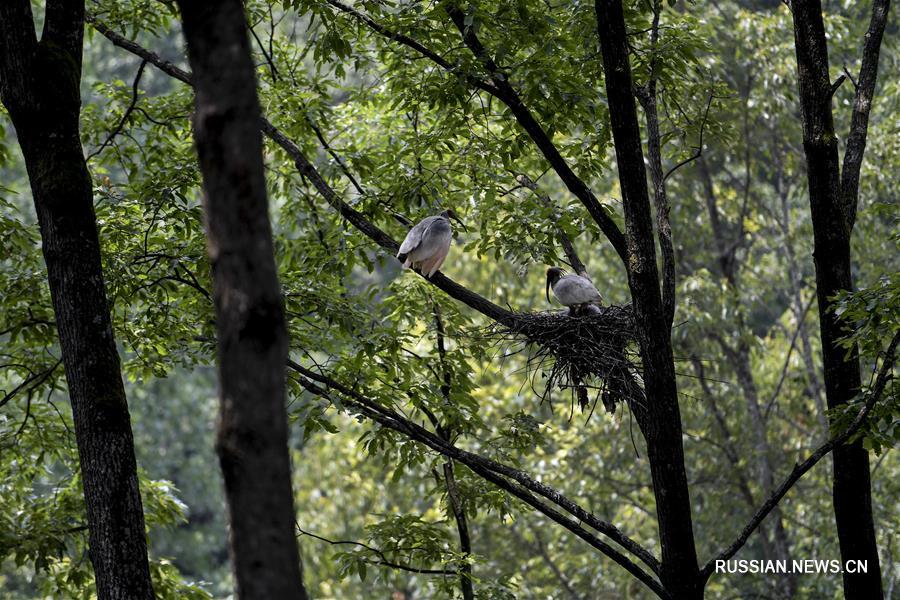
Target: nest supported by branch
column 586, row 354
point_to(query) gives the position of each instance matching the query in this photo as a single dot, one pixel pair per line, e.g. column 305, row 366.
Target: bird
column 573, row 291
column 427, row 243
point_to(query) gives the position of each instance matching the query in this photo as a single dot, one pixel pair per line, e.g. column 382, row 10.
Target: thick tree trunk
column 252, row 339
column 831, row 232
column 40, row 88
column 660, row 419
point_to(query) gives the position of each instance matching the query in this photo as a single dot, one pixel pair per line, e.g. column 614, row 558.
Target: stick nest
column 585, row 354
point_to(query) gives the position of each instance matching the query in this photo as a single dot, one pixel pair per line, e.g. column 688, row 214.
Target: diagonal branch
column 509, row 96
column 501, row 475
column 801, row 469
column 383, row 560
column 564, row 241
column 407, row 41
column 131, row 106
column 500, row 88
column 862, row 104
column 369, row 229
column 471, row 460
column 32, row 382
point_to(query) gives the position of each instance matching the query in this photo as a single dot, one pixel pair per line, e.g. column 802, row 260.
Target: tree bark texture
column 252, row 438
column 40, row 89
column 660, row 419
column 831, row 232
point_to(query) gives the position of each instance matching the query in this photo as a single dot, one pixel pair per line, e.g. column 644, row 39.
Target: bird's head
column 449, row 214
column 553, row 275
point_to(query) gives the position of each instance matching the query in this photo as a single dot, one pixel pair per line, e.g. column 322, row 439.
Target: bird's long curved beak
column 461, row 224
column 547, row 290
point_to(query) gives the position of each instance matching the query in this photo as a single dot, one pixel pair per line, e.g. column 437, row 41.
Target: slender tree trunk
column 453, row 498
column 462, row 526
column 832, row 221
column 814, row 387
column 660, row 419
column 40, row 88
column 739, row 358
column 252, row 439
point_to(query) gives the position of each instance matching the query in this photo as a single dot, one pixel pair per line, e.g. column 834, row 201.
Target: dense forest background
column 398, row 136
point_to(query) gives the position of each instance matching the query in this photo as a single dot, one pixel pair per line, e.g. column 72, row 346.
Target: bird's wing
column 437, row 234
column 573, row 289
column 414, row 237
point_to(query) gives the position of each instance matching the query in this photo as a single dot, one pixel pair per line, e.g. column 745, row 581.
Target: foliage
column 398, row 137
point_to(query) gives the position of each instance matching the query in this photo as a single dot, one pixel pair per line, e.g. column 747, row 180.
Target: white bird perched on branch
column 573, row 291
column 428, row 242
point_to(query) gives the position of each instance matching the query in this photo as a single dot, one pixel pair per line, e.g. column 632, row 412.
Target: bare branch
column 153, row 58
column 341, row 164
column 837, row 84
column 32, row 382
column 699, row 150
column 268, row 56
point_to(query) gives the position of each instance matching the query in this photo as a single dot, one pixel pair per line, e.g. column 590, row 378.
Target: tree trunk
column 40, row 88
column 252, row 438
column 831, row 234
column 739, row 357
column 660, row 419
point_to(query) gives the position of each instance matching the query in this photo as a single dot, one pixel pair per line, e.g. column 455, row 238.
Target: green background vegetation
column 416, row 139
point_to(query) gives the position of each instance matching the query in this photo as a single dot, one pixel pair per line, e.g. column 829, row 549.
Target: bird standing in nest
column 427, row 243
column 581, row 297
column 574, row 291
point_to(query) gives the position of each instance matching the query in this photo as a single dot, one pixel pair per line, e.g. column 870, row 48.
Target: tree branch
column 862, row 104
column 801, row 469
column 489, row 469
column 411, row 43
column 33, row 381
column 509, row 96
column 564, row 241
column 648, row 99
column 699, row 151
column 369, row 229
column 500, row 88
column 128, row 111
column 383, row 559
column 453, row 498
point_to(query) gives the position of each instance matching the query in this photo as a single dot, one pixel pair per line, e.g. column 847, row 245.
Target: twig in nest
column 579, row 354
